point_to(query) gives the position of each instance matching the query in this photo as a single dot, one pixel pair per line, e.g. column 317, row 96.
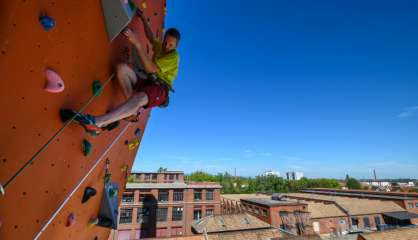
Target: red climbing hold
column 54, row 83
column 70, row 220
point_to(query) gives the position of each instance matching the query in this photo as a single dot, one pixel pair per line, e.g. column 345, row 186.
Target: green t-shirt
column 167, row 62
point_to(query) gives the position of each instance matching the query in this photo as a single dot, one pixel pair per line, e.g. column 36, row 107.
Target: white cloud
column 248, row 151
column 409, row 112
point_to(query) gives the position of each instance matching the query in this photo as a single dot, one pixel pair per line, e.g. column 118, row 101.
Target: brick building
column 162, row 204
column 304, row 213
column 406, row 200
column 360, row 213
column 288, row 215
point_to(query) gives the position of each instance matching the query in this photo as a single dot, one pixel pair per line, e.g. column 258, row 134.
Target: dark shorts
column 157, row 94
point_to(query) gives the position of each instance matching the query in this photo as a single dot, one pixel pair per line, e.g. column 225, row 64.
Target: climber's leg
column 126, row 109
column 127, row 79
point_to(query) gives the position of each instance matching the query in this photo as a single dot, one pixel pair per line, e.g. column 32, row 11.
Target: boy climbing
column 148, row 86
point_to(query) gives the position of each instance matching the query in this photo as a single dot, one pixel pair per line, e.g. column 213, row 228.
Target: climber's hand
column 131, row 36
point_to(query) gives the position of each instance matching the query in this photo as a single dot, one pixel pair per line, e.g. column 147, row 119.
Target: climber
column 143, row 88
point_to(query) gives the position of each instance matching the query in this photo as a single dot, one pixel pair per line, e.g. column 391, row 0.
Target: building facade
column 294, row 175
column 407, row 200
column 303, row 213
column 162, row 204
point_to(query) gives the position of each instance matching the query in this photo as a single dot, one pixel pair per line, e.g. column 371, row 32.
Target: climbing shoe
column 88, row 122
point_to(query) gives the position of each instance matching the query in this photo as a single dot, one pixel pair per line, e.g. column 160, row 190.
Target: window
column 283, row 214
column 146, row 177
column 125, row 215
column 410, row 205
column 197, row 214
column 366, row 222
column 163, row 196
column 177, row 177
column 161, row 214
column 127, row 198
column 257, row 211
column 416, row 205
column 154, row 177
column 197, row 195
column 354, row 221
column 177, row 214
column 171, row 177
column 178, row 195
column 377, row 220
column 143, row 215
column 264, row 212
column 209, row 194
column 209, row 212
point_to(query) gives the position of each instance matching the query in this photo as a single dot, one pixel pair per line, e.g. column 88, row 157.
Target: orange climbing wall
column 78, row 49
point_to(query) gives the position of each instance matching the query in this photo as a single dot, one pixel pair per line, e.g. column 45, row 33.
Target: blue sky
column 324, row 87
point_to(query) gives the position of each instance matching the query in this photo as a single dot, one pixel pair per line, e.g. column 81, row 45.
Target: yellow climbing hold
column 93, row 222
column 124, row 168
column 133, row 144
column 144, row 5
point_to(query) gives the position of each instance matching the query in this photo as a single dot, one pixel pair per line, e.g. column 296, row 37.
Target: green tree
column 352, row 183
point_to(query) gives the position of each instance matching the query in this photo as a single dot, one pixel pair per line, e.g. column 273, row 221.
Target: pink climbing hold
column 54, row 83
column 70, row 220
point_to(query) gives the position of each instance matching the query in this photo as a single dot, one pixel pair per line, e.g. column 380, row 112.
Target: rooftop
column 156, row 172
column 396, row 234
column 174, row 185
column 354, row 206
column 271, row 203
column 324, row 210
column 238, row 197
column 226, row 223
column 363, row 194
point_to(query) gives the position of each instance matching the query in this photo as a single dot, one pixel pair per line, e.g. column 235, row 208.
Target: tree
column 161, row 169
column 352, row 183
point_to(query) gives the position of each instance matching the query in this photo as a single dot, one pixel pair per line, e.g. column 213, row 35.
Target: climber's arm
column 147, row 27
column 148, row 64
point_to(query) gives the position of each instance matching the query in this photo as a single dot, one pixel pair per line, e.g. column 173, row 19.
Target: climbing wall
column 50, row 188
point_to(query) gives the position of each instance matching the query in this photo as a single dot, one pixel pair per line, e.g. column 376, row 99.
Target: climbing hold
column 47, row 22
column 132, row 5
column 54, row 82
column 124, row 168
column 87, row 147
column 126, row 142
column 70, row 219
column 2, row 190
column 144, row 5
column 88, row 193
column 96, row 238
column 132, row 145
column 108, row 214
column 112, row 192
column 97, row 88
column 93, row 222
column 138, row 133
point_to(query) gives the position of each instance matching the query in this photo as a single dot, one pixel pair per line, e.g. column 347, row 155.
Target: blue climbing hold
column 47, row 22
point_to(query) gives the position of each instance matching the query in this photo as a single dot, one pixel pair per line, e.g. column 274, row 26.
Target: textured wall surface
column 78, row 49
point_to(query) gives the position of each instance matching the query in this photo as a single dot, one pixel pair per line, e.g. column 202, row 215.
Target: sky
column 325, row 87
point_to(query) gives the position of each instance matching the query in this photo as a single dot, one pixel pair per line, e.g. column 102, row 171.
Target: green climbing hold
column 87, row 147
column 112, row 192
column 97, row 88
column 132, row 5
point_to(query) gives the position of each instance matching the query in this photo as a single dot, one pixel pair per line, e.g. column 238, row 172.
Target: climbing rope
column 45, row 146
column 81, row 182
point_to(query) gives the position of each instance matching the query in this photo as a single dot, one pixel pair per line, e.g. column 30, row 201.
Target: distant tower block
column 117, row 13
